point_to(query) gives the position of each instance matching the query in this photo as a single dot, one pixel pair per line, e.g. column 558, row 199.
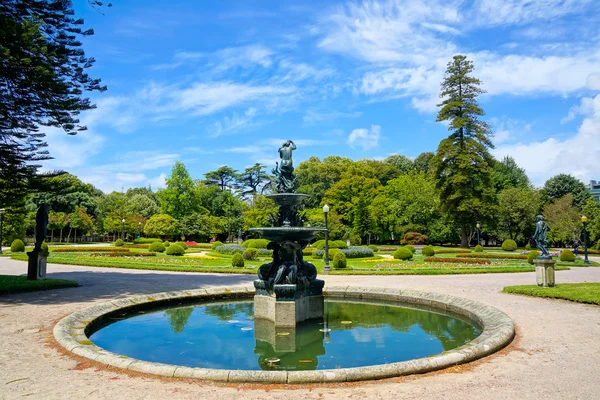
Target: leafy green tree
column 402, row 163
column 423, row 162
column 56, row 221
column 517, row 208
column 591, row 209
column 462, row 165
column 560, row 185
column 179, row 198
column 223, row 177
column 508, row 174
column 315, row 177
column 143, row 205
column 161, row 225
column 43, row 74
column 199, row 226
column 362, row 221
column 315, row 218
column 13, row 224
column 564, row 220
column 345, row 194
column 252, row 180
column 263, row 213
column 79, row 220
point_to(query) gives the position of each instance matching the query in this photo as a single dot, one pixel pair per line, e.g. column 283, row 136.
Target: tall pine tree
column 462, row 164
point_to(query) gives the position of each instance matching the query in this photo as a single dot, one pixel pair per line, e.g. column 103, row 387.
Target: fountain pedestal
column 288, row 304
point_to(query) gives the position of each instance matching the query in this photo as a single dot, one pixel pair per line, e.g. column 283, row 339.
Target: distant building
column 594, row 188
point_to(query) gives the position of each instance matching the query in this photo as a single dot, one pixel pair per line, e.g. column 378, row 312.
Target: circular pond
column 225, row 335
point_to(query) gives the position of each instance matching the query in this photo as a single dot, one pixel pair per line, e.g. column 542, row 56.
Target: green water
column 225, row 335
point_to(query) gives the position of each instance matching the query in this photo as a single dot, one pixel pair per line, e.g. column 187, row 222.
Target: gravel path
column 556, row 354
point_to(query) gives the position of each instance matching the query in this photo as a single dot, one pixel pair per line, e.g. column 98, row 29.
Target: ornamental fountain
column 287, row 288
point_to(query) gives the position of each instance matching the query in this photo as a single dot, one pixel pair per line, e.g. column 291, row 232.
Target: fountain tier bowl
column 287, row 199
column 293, row 233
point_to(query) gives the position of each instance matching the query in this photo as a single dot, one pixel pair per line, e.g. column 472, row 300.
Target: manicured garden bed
column 18, row 284
column 578, row 292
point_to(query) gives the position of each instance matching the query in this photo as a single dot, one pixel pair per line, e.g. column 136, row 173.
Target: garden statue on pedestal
column 36, row 268
column 544, row 264
column 541, row 237
column 285, row 180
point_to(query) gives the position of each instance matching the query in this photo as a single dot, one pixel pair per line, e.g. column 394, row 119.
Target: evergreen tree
column 179, row 198
column 224, row 177
column 562, row 184
column 252, row 179
column 507, row 174
column 462, row 165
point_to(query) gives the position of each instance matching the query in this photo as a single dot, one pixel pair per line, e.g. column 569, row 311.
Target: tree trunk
column 61, row 229
column 69, row 235
column 464, row 239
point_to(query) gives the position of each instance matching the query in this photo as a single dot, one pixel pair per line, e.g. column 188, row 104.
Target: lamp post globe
column 585, row 221
column 123, row 229
column 478, row 226
column 325, row 212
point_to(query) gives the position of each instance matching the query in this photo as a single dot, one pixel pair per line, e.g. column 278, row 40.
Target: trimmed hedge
column 428, row 251
column 250, row 254
column 204, row 245
column 182, row 245
column 230, row 249
column 146, row 240
column 157, row 247
column 403, row 254
column 478, row 249
column 373, row 247
column 175, row 250
column 339, row 260
column 411, row 248
column 567, row 255
column 491, row 255
column 17, row 246
column 452, row 251
column 509, row 245
column 85, row 249
column 309, row 251
column 333, row 244
column 119, row 243
column 256, row 243
column 456, row 260
column 352, row 252
column 237, row 260
column 216, row 244
column 532, row 256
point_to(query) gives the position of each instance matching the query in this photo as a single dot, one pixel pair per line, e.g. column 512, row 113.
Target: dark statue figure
column 541, row 236
column 284, row 178
column 288, row 266
column 41, row 222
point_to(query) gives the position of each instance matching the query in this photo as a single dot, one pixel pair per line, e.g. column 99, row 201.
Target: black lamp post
column 326, row 211
column 123, row 229
column 478, row 226
column 585, row 220
column 139, row 229
column 1, row 214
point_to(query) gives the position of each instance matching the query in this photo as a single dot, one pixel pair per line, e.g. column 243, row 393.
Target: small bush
column 567, row 255
column 146, row 240
column 373, row 247
column 157, row 247
column 216, row 244
column 428, row 251
column 532, row 256
column 478, row 249
column 339, row 261
column 256, row 243
column 309, row 251
column 403, row 254
column 230, row 249
column 527, row 246
column 509, row 245
column 318, row 255
column 333, row 244
column 352, row 252
column 250, row 253
column 183, row 245
column 45, row 246
column 167, row 243
column 237, row 261
column 411, row 248
column 175, row 250
column 119, row 243
column 598, row 245
column 339, row 244
column 414, row 238
column 17, row 246
column 265, row 252
column 204, row 245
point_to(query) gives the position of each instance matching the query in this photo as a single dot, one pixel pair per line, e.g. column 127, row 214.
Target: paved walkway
column 556, row 354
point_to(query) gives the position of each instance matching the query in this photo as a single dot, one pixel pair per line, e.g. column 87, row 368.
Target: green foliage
column 222, row 178
column 411, row 248
column 563, row 219
column 179, row 197
column 157, row 247
column 237, row 260
column 230, row 249
column 308, row 251
column 532, row 256
column 45, row 247
column 507, row 174
column 332, row 253
column 373, row 247
column 216, row 244
column 161, row 225
column 182, row 244
column 423, row 162
column 527, row 246
column 478, row 249
column 591, row 209
column 175, row 250
column 167, row 243
column 10, row 284
column 428, row 251
column 261, row 214
column 560, row 185
column 509, row 245
column 333, row 244
column 517, row 208
column 403, row 254
column 579, row 292
column 411, row 238
column 17, row 246
column 250, row 254
column 256, row 243
column 567, row 255
column 347, row 194
column 252, row 179
column 146, row 240
column 339, row 260
column 119, row 243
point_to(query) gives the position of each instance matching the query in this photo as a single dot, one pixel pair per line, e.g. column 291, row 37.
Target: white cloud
column 130, row 178
column 71, row 150
column 507, row 129
column 312, row 116
column 508, row 12
column 365, row 138
column 593, row 81
column 235, row 123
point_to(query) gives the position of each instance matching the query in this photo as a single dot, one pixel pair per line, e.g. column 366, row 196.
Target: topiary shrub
column 532, row 256
column 428, row 251
column 509, row 245
column 333, row 244
column 216, row 244
column 403, row 254
column 146, row 240
column 318, row 255
column 45, row 246
column 478, row 249
column 414, row 238
column 339, row 261
column 332, row 253
column 567, row 255
column 256, row 243
column 411, row 248
column 528, row 246
column 309, row 251
column 183, row 245
column 237, row 260
column 175, row 250
column 157, row 247
column 119, row 243
column 17, row 246
column 373, row 247
column 250, row 253
column 167, row 244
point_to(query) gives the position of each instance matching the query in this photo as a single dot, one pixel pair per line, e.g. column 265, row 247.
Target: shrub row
column 451, row 251
column 309, row 251
column 157, row 246
column 352, row 252
column 138, row 246
column 204, row 245
column 456, row 260
column 83, row 249
column 146, row 240
column 428, row 251
column 491, row 255
column 333, row 244
column 388, row 248
column 256, row 243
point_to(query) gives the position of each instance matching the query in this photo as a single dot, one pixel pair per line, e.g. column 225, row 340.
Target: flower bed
column 136, row 246
column 388, row 248
column 457, row 260
column 352, row 252
column 491, row 255
column 191, row 244
column 85, row 249
column 451, row 251
column 122, row 254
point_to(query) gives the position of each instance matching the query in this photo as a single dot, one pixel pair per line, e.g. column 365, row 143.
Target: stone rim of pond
column 497, row 332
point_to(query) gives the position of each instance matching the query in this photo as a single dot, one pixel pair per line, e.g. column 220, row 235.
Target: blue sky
column 213, row 83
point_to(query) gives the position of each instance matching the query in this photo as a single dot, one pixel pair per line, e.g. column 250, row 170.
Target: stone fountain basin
column 497, row 331
column 287, row 199
column 294, row 233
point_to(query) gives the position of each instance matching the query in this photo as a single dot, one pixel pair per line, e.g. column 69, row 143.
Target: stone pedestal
column 286, row 305
column 36, row 266
column 544, row 271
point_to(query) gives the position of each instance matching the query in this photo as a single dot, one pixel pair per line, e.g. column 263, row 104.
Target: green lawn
column 579, row 292
column 18, row 284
